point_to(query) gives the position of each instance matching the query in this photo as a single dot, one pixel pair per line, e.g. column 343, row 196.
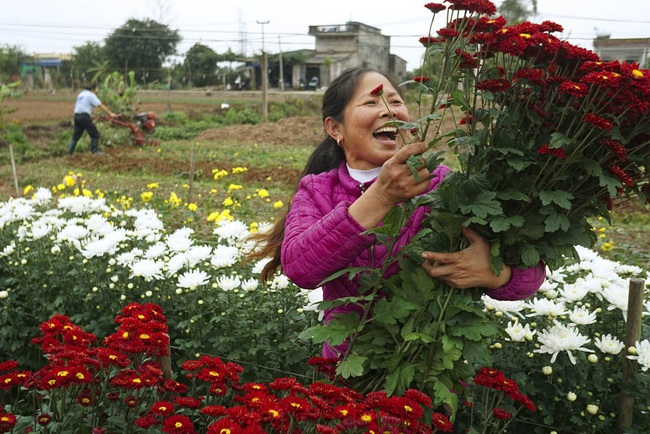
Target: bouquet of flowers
column 547, row 136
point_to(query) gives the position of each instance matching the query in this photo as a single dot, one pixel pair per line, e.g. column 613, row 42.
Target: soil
column 44, row 117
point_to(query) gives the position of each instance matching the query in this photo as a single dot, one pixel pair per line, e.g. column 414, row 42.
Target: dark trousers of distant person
column 84, row 122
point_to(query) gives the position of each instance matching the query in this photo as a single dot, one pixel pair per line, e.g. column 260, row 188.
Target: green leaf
column 559, row 140
column 529, row 255
column 444, row 395
column 400, row 380
column 503, row 223
column 513, row 194
column 474, row 331
column 483, row 205
column 559, row 197
column 351, row 366
column 556, row 221
column 426, row 338
column 388, row 312
column 334, row 334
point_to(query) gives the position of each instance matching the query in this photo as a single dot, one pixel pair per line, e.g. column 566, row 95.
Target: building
column 343, row 46
column 633, row 50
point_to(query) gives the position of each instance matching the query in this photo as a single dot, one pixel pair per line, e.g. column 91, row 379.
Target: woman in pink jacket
column 351, row 182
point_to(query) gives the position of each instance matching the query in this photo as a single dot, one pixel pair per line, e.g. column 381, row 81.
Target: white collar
column 363, row 176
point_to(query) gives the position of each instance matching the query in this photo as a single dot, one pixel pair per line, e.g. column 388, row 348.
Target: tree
column 10, row 58
column 141, row 46
column 87, row 60
column 517, row 11
column 201, row 65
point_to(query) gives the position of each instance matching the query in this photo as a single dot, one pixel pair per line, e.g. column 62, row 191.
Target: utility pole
column 281, row 66
column 265, row 78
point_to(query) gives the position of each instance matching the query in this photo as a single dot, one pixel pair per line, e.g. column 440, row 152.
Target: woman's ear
column 333, row 129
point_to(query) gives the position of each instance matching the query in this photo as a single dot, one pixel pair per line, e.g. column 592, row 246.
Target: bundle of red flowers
column 548, row 133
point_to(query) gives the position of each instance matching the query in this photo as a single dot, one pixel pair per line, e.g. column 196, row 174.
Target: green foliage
column 200, row 65
column 10, row 59
column 142, row 46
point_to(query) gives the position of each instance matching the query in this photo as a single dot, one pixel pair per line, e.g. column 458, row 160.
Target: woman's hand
column 469, row 268
column 394, row 184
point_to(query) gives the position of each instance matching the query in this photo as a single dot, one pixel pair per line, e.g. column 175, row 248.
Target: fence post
column 632, row 335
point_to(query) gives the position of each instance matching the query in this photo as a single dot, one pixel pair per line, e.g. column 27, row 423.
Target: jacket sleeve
column 523, row 284
column 320, row 237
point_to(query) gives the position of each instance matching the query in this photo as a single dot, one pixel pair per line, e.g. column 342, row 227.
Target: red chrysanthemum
column 378, row 91
column 178, row 424
column 435, row 7
column 420, row 78
column 494, row 85
column 556, row 152
column 162, row 408
column 43, row 419
column 620, row 173
column 501, row 413
column 598, row 121
column 441, row 422
column 616, row 147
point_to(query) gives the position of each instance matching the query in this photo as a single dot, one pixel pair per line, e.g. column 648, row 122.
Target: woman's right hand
column 395, row 184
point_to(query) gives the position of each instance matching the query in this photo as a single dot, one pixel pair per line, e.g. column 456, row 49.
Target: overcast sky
column 56, row 26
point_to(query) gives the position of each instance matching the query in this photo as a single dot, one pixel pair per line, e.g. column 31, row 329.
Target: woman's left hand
column 468, row 268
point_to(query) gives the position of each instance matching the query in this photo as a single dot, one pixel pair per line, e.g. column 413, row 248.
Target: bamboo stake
column 191, row 177
column 13, row 168
column 632, row 335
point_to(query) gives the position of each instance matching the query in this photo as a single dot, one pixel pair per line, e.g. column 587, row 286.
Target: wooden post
column 13, row 168
column 632, row 335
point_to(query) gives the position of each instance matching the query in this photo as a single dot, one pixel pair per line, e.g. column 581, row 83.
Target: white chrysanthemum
column 148, row 269
column 314, row 296
column 40, row 229
column 647, row 308
column 608, row 344
column 147, row 219
column 108, row 244
column 517, row 332
column 582, row 316
column 175, row 263
column 22, row 233
column 545, row 307
column 193, row 279
column 180, row 240
column 98, row 224
column 250, row 285
column 228, row 283
column 224, row 256
column 42, row 195
column 127, row 258
column 629, row 270
column 8, row 249
column 80, row 205
column 231, row 230
column 259, row 265
column 508, row 307
column 574, row 292
column 280, row 282
column 617, row 296
column 197, row 254
column 548, row 285
column 562, row 338
column 264, row 227
column 642, row 354
column 586, row 254
column 72, row 232
column 156, row 250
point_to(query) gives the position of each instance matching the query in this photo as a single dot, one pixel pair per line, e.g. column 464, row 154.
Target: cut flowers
column 546, row 135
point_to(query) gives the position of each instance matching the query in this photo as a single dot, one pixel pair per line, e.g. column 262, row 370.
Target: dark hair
column 327, row 156
column 91, row 86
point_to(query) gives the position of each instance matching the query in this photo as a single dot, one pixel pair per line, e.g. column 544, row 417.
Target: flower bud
column 547, row 370
column 592, row 409
column 592, row 358
column 571, row 396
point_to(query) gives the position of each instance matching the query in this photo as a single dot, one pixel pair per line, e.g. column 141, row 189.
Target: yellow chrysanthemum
column 27, row 190
column 233, row 187
column 239, row 169
column 218, row 174
column 152, row 185
column 146, row 196
column 278, row 204
column 228, row 202
column 607, row 246
column 263, row 193
column 69, row 181
column 192, row 207
column 174, row 200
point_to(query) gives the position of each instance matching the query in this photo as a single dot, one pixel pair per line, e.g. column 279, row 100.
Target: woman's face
column 367, row 142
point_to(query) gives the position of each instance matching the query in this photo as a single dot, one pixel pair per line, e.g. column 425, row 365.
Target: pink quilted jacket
column 321, row 238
